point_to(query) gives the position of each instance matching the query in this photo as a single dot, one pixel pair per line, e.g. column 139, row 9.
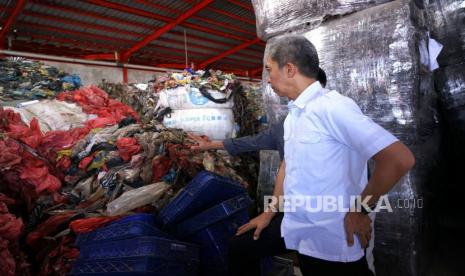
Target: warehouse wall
column 93, row 74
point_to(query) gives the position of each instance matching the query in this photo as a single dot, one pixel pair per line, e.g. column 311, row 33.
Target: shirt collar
column 307, row 95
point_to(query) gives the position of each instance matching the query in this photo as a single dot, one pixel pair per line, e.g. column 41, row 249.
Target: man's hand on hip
column 359, row 224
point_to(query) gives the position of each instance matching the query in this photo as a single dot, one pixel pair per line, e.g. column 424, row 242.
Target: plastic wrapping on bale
column 373, row 56
column 275, row 17
column 376, row 62
column 269, row 166
column 446, row 21
column 450, row 82
column 275, row 106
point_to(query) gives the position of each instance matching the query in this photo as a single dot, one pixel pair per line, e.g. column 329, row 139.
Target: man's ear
column 290, row 70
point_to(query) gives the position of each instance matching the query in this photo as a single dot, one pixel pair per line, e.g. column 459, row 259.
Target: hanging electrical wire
column 185, row 47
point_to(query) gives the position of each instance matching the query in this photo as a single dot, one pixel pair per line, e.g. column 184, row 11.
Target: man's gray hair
column 298, row 51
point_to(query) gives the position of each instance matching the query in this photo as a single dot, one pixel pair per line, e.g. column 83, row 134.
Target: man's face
column 276, row 77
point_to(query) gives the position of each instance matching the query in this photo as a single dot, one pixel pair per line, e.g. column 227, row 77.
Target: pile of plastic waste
column 22, row 79
column 59, row 182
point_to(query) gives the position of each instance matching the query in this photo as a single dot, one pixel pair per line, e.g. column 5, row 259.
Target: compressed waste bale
column 269, row 166
column 274, row 17
column 446, row 21
column 450, row 82
column 216, row 123
column 201, row 102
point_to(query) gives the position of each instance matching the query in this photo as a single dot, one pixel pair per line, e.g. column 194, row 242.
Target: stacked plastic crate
column 204, row 215
column 207, row 213
column 134, row 246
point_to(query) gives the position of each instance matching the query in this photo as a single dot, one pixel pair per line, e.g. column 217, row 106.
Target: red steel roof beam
column 111, row 29
column 166, row 28
column 92, row 14
column 101, row 56
column 171, row 65
column 125, row 22
column 242, row 5
column 226, row 26
column 72, row 22
column 245, row 20
column 229, row 52
column 163, row 18
column 81, row 34
column 255, row 71
column 59, row 30
column 206, row 20
column 9, row 22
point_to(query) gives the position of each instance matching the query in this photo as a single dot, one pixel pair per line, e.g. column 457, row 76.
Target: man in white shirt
column 328, row 142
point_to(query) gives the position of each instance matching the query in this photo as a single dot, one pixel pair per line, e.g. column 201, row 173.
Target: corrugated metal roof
column 105, row 26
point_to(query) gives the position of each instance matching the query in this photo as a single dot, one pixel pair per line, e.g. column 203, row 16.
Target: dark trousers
column 315, row 267
column 245, row 255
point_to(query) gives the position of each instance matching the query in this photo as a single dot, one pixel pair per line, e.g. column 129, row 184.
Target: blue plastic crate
column 204, row 191
column 215, row 214
column 212, row 230
column 142, row 246
column 133, row 266
column 214, row 241
column 125, row 228
column 140, row 217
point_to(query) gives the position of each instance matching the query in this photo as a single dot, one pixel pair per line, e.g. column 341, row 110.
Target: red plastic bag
column 54, row 141
column 160, row 167
column 60, row 259
column 36, row 172
column 93, row 100
column 127, row 147
column 7, row 262
column 101, row 122
column 80, row 226
column 10, row 154
column 47, row 227
column 10, row 226
column 31, row 136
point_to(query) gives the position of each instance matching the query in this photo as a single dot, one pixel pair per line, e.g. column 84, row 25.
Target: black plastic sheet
column 276, row 17
column 450, row 83
column 446, row 21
